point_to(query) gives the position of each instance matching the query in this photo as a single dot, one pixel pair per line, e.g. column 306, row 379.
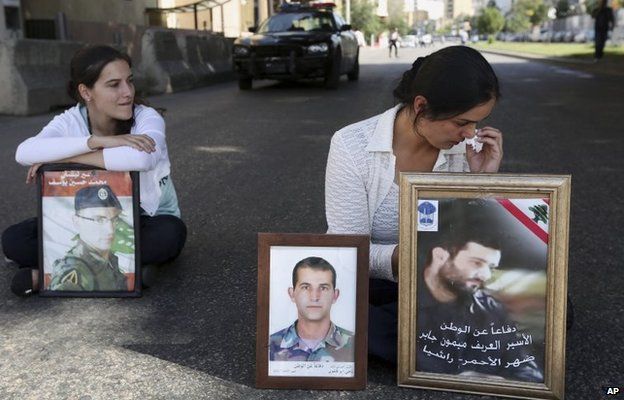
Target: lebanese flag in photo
column 532, row 213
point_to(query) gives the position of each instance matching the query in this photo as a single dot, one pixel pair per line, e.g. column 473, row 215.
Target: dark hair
column 468, row 220
column 315, row 263
column 453, row 80
column 478, row 234
column 85, row 68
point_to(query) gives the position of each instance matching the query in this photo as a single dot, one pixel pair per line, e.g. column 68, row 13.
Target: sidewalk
column 605, row 66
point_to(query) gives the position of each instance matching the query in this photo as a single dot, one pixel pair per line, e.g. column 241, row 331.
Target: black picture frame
column 69, row 178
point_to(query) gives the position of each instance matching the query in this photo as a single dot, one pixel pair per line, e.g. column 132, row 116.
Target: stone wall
column 174, row 60
column 34, row 73
column 584, row 22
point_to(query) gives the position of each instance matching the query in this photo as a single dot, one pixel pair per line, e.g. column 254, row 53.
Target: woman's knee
column 19, row 242
column 162, row 238
column 174, row 229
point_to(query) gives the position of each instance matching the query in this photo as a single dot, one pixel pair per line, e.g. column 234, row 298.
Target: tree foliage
column 563, row 8
column 490, row 21
column 396, row 17
column 364, row 17
column 516, row 22
column 525, row 14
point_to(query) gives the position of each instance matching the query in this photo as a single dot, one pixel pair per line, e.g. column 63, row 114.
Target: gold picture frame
column 493, row 322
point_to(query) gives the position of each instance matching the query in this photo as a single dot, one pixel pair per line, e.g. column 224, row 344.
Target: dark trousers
column 393, row 43
column 383, row 319
column 162, row 240
column 599, row 44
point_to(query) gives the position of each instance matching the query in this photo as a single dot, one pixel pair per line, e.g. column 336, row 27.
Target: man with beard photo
column 462, row 329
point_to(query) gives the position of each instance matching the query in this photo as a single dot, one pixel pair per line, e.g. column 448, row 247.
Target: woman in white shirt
column 441, row 99
column 109, row 128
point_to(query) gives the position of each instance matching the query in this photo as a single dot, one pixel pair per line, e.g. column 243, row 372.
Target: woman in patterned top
column 441, row 100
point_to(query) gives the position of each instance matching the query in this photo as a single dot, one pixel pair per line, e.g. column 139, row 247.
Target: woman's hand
column 491, row 155
column 32, row 173
column 94, row 158
column 138, row 142
column 395, row 262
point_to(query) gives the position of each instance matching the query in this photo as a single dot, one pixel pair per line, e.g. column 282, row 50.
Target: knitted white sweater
column 360, row 173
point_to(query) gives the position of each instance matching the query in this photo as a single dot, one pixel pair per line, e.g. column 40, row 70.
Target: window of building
column 40, row 29
column 12, row 18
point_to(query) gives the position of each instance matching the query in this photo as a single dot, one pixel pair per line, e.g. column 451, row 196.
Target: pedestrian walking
column 109, row 128
column 394, row 39
column 603, row 24
column 360, row 37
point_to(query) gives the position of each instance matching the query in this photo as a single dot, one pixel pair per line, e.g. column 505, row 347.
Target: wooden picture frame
column 88, row 221
column 337, row 361
column 482, row 283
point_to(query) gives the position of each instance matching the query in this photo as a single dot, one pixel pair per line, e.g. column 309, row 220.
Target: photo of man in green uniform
column 90, row 265
column 313, row 336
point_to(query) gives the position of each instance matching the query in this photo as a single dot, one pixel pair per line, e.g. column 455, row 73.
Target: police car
column 299, row 42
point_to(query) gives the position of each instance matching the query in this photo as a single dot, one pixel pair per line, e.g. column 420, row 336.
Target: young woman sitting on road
column 109, row 128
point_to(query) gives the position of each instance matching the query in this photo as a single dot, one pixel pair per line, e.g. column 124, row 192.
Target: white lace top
column 385, row 229
column 359, row 182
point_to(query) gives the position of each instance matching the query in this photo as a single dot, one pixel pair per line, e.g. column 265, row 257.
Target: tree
column 525, row 14
column 398, row 22
column 364, row 17
column 563, row 8
column 397, row 17
column 517, row 22
column 490, row 21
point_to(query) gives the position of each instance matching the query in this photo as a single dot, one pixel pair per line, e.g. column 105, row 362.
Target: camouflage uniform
column 285, row 345
column 84, row 269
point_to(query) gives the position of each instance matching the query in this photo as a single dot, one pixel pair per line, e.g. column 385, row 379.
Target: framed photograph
column 312, row 311
column 88, row 236
column 483, row 283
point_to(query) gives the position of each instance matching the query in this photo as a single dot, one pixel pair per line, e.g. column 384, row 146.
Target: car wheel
column 244, row 83
column 332, row 77
column 354, row 75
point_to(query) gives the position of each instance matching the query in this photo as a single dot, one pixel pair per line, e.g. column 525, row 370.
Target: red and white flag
column 532, row 213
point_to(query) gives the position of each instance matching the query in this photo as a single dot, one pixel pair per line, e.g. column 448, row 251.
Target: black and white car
column 299, row 42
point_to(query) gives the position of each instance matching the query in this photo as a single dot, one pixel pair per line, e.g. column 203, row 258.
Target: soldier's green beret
column 96, row 196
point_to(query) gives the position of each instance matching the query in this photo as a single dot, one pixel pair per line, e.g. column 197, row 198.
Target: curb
column 594, row 68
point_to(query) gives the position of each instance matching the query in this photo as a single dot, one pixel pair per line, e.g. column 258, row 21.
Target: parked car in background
column 546, row 35
column 585, row 36
column 426, row 40
column 409, row 41
column 298, row 42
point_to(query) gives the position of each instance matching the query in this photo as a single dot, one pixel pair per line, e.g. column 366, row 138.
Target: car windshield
column 297, row 22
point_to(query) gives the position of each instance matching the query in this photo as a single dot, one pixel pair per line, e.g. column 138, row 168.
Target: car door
column 348, row 44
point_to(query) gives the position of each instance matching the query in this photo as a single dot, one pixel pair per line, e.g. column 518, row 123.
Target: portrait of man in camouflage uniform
column 90, row 265
column 313, row 336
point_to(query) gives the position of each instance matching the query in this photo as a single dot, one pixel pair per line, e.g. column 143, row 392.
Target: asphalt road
column 248, row 162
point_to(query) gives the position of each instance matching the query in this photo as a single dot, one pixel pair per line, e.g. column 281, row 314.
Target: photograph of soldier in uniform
column 88, row 237
column 481, row 288
column 90, row 265
column 312, row 309
column 313, row 336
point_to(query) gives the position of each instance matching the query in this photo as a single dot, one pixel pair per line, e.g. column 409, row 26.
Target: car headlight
column 318, row 48
column 241, row 51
